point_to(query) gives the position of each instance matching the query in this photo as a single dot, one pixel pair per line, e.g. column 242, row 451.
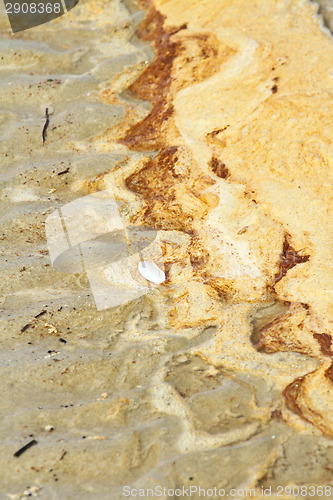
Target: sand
column 220, row 376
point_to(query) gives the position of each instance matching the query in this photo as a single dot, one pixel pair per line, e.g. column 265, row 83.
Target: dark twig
column 40, row 314
column 25, row 327
column 25, row 448
column 46, row 124
column 64, row 171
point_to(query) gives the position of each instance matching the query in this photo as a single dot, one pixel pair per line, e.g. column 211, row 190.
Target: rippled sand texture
column 222, row 375
column 245, row 126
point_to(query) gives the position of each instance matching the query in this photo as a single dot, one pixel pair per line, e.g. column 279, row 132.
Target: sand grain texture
column 245, row 169
column 213, row 127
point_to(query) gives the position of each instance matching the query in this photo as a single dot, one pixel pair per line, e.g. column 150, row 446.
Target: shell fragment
column 151, row 272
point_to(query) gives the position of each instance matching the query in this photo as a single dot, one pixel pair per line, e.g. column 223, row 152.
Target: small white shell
column 151, row 272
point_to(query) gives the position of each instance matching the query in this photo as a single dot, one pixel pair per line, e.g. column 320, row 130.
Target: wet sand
column 168, row 389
